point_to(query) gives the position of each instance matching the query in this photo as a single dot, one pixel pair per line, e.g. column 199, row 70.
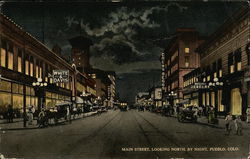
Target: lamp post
column 38, row 85
column 171, row 96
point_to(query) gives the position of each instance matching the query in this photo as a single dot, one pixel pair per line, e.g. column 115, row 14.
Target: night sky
column 128, row 37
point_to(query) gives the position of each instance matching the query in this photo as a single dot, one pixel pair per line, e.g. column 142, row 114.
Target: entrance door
column 236, row 102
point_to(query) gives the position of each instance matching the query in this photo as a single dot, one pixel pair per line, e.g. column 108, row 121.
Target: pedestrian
column 248, row 114
column 10, row 114
column 30, row 115
column 228, row 120
column 238, row 126
column 68, row 114
column 42, row 119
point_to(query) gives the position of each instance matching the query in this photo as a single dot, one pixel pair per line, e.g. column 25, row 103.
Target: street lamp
column 215, row 82
column 39, row 84
column 172, row 95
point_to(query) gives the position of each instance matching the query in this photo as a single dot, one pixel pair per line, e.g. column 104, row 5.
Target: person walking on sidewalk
column 248, row 114
column 10, row 114
column 228, row 120
column 238, row 125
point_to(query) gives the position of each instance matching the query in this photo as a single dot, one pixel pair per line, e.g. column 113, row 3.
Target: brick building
column 225, row 60
column 180, row 59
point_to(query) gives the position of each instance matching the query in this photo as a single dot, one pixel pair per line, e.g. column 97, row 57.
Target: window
column 186, row 61
column 231, row 63
column 237, row 55
column 248, row 53
column 31, row 66
column 19, row 61
column 219, row 67
column 27, row 65
column 3, row 54
column 186, row 50
column 40, row 70
column 208, row 78
column 37, row 71
column 10, row 57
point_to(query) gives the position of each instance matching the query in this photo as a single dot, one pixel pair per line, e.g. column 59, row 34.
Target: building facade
column 180, row 59
column 24, row 60
column 225, row 65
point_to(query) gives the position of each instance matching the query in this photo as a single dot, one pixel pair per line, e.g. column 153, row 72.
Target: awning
column 184, row 101
column 63, row 103
column 79, row 100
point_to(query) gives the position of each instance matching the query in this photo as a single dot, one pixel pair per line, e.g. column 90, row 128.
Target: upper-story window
column 3, row 53
column 231, row 63
column 237, row 56
column 186, row 50
column 37, row 68
column 219, row 67
column 19, row 61
column 10, row 57
column 31, row 66
column 187, row 61
column 41, row 70
column 27, row 65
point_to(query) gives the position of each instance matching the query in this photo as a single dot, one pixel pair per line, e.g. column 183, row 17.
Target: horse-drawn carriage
column 60, row 111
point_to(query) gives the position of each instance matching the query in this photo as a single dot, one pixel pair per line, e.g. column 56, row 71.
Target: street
column 128, row 134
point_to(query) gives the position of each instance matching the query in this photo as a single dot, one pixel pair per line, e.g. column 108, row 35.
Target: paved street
column 118, row 134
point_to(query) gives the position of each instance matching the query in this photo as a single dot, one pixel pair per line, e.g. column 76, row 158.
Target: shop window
column 207, row 99
column 213, row 99
column 220, row 106
column 5, row 86
column 14, row 88
column 20, row 89
column 236, row 102
column 17, row 101
column 27, row 90
column 5, row 100
column 3, row 54
column 28, row 103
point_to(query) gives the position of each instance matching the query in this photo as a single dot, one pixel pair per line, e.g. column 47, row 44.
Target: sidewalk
column 221, row 124
column 18, row 123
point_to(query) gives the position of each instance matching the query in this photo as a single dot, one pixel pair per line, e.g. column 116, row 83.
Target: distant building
column 80, row 52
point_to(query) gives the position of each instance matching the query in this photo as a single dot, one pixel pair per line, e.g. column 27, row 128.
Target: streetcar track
column 85, row 140
column 146, row 136
column 164, row 135
column 115, row 141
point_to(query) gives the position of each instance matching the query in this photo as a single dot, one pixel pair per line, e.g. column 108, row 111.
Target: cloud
column 117, row 34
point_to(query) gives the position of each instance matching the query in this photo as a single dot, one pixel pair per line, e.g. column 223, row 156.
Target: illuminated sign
column 60, row 76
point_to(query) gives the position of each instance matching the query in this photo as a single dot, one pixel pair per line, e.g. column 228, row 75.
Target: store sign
column 60, row 76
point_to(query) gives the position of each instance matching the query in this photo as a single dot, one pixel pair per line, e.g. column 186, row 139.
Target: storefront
column 12, row 93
